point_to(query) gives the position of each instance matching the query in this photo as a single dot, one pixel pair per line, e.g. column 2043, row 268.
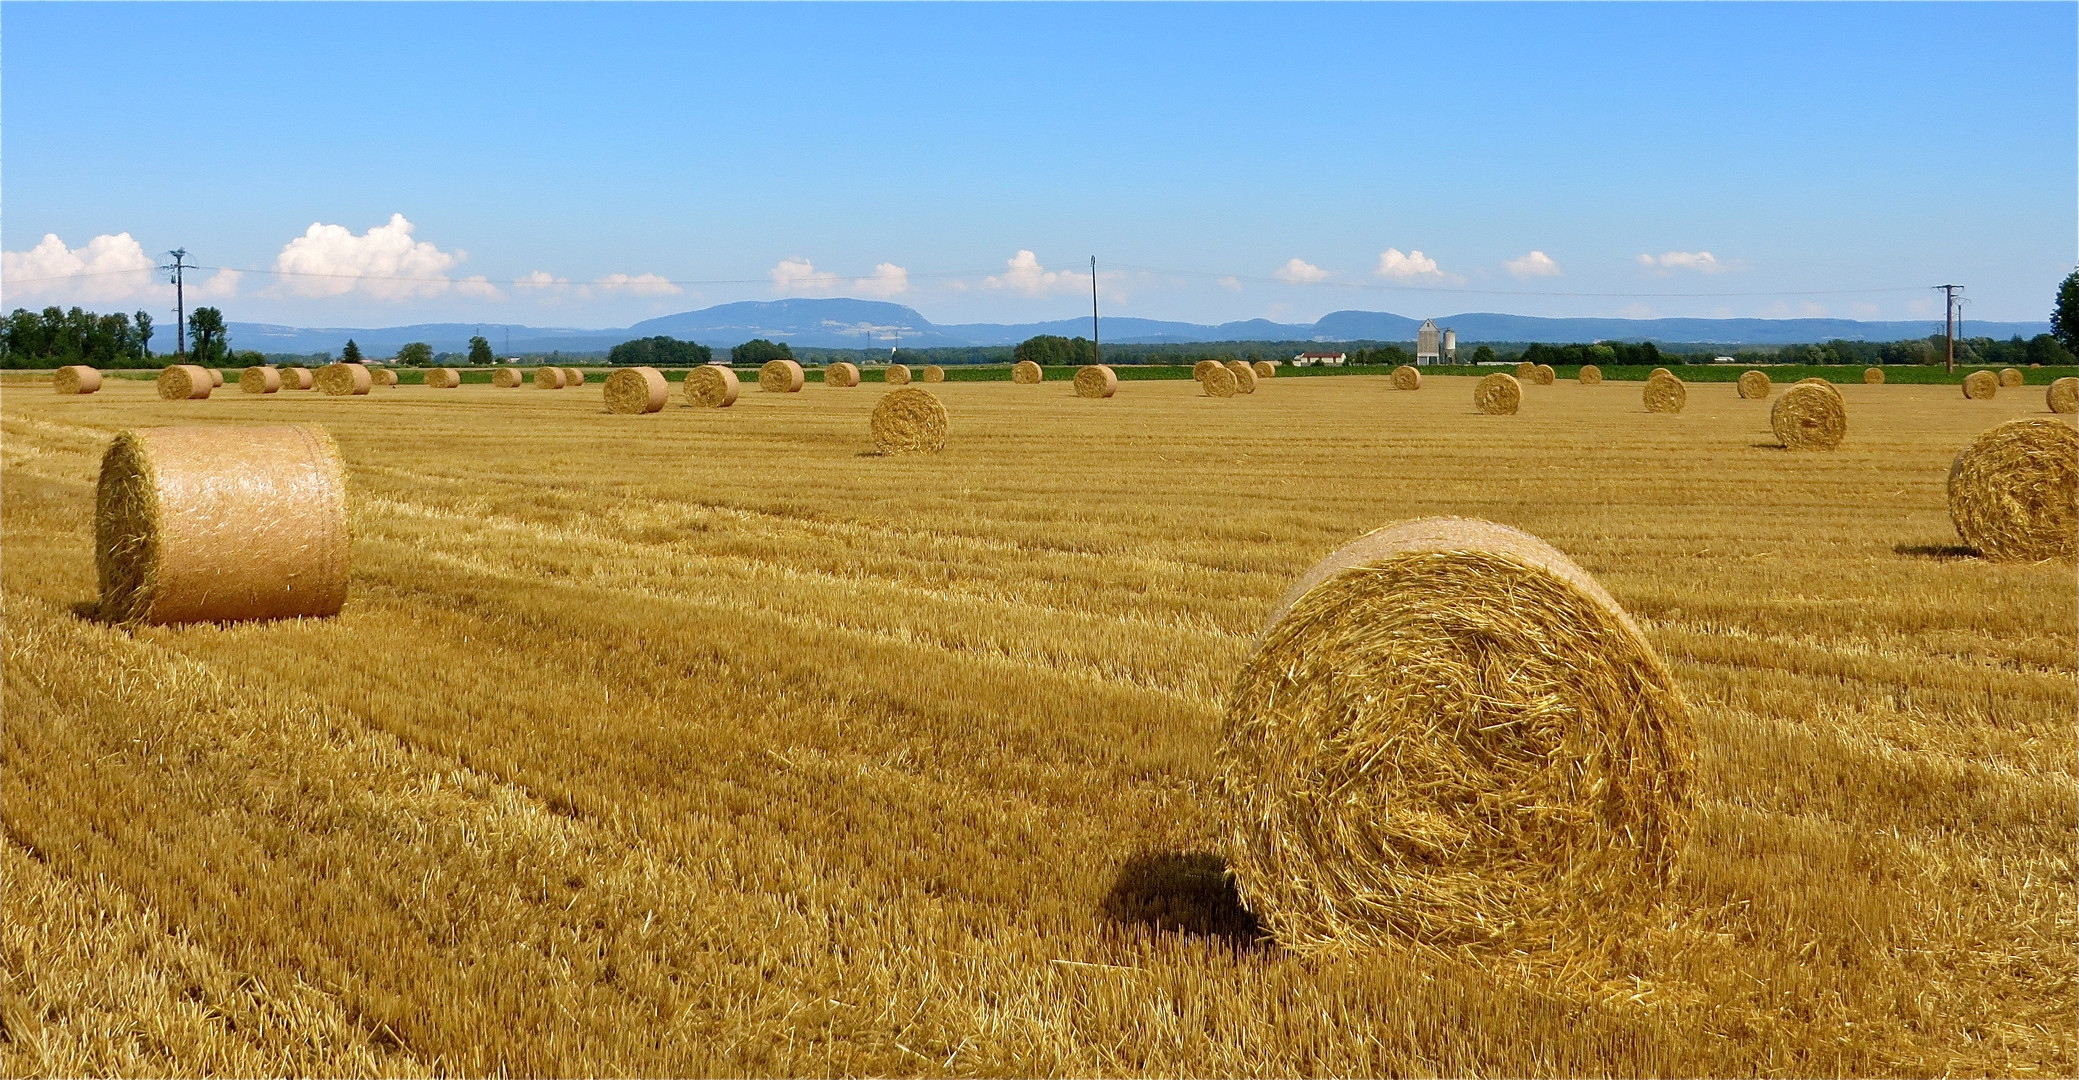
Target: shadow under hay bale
column 1184, row 892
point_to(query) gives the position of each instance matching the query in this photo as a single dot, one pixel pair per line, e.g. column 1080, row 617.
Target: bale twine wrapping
column 1407, row 377
column 2014, row 492
column 934, row 373
column 213, row 524
column 2012, row 377
column 1096, row 381
column 1265, row 369
column 1809, row 418
column 1873, row 376
column 781, row 377
column 548, row 378
column 2062, row 395
column 841, row 373
column 1526, row 370
column 573, row 377
column 298, row 378
column 75, row 379
column 184, row 382
column 1979, row 385
column 1198, row 370
column 1219, row 382
column 260, row 380
column 1590, row 375
column 897, row 375
column 1499, row 394
column 1659, row 372
column 1450, row 733
column 909, row 421
column 711, row 386
column 1665, row 394
column 345, row 380
column 1027, row 373
column 443, row 378
column 1754, row 385
column 1543, row 375
column 1244, row 377
column 216, row 378
column 507, row 377
column 636, row 390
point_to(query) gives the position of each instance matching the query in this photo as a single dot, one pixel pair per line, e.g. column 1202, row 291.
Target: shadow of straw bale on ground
column 1944, row 552
column 1188, row 892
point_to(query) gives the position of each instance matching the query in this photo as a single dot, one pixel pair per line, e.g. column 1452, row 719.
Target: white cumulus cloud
column 1299, row 272
column 1231, row 282
column 1024, row 274
column 637, row 285
column 110, row 267
column 798, row 275
column 384, row 262
column 1703, row 262
column 1408, row 267
column 1535, row 264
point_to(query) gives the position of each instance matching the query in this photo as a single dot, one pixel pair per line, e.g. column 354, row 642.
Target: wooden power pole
column 1949, row 321
column 1096, row 346
column 180, row 302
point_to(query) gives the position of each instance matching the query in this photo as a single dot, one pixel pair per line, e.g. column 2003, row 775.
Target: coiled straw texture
column 443, row 378
column 636, row 390
column 1450, row 734
column 1407, row 377
column 781, row 377
column 298, row 378
column 260, row 380
column 841, row 373
column 1543, row 375
column 2062, row 395
column 1499, row 394
column 1198, row 370
column 934, row 373
column 1873, row 376
column 1219, row 382
column 549, row 378
column 711, row 386
column 897, row 375
column 1244, row 377
column 1027, row 373
column 1665, row 394
column 1096, row 381
column 184, row 382
column 1590, row 375
column 1265, row 369
column 215, row 524
column 1809, row 418
column 1979, row 385
column 345, row 380
column 2014, row 492
column 2012, row 377
column 1526, row 371
column 1754, row 385
column 75, row 379
column 907, row 421
column 507, row 377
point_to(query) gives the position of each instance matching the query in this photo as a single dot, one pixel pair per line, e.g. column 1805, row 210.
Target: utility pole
column 1949, row 321
column 1096, row 346
column 180, row 302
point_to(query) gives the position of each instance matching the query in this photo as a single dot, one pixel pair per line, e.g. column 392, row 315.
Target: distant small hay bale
column 1526, row 371
column 1450, row 733
column 443, row 378
column 1544, row 375
column 1499, row 394
column 548, row 378
column 1096, row 381
column 345, row 380
column 1244, row 377
column 2012, row 377
column 260, row 380
column 1198, row 370
column 184, row 382
column 1219, row 382
column 2062, row 396
column 1660, row 372
column 2034, row 366
column 1265, row 369
column 908, row 421
column 1873, row 376
column 216, row 378
column 216, row 524
column 295, row 377
column 2014, row 492
column 1754, row 385
column 1979, row 385
column 841, row 373
column 1591, row 375
column 76, row 379
column 1027, row 373
column 383, row 376
column 897, row 375
column 507, row 377
column 1665, row 394
column 636, row 390
column 934, row 373
column 781, row 377
column 1809, row 418
column 1407, row 377
column 711, row 386
column 573, row 377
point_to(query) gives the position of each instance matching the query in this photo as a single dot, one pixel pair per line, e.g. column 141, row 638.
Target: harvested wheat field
column 747, row 751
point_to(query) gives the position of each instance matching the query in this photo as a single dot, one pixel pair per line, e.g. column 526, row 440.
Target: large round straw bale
column 1543, row 375
column 1590, row 375
column 213, row 524
column 781, row 377
column 1198, row 370
column 1981, row 384
column 1873, row 376
column 2012, row 377
column 1219, row 382
column 1244, row 376
column 841, row 373
column 1809, row 418
column 216, row 378
column 184, row 382
column 908, row 421
column 1665, row 393
column 260, row 380
column 1407, row 377
column 1265, row 369
column 1659, row 372
column 345, row 380
column 636, row 390
column 711, row 386
column 76, row 379
column 1027, row 373
column 297, row 377
column 1526, row 371
column 1096, row 381
column 2014, row 492
column 573, row 377
column 897, row 375
column 1754, row 385
column 1450, row 733
column 443, row 378
column 548, row 378
column 2062, row 395
column 934, row 373
column 1499, row 394
column 507, row 377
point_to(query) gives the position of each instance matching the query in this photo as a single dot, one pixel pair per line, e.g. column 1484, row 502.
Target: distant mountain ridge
column 848, row 323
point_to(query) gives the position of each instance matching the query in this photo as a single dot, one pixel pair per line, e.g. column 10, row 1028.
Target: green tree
column 1052, row 349
column 480, row 354
column 143, row 322
column 2064, row 318
column 416, row 354
column 351, row 354
column 208, row 341
column 2048, row 351
column 1484, row 354
column 760, row 351
column 660, row 351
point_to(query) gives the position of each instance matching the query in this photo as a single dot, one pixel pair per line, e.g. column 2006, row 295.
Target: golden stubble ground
column 705, row 742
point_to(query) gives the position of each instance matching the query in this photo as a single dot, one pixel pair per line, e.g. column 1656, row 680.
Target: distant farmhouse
column 1318, row 359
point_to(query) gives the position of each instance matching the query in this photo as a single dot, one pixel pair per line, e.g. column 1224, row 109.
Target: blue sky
column 594, row 164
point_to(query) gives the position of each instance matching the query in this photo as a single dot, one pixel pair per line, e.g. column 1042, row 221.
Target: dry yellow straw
column 383, row 376
column 2014, row 492
column 1979, row 385
column 216, row 378
column 506, row 377
column 1198, row 370
column 1096, row 381
column 1265, row 369
column 75, row 379
column 1809, row 418
column 1244, row 377
column 213, row 524
column 897, row 375
column 260, row 380
column 781, row 377
column 443, row 378
column 1543, row 375
column 909, row 421
column 298, row 378
column 573, row 377
column 1665, row 394
column 1754, row 384
column 1449, row 733
column 841, row 373
column 184, row 382
column 1591, row 375
column 1660, row 372
column 2012, row 377
column 344, row 380
column 711, row 386
column 934, row 373
column 1027, row 373
column 2062, row 395
column 1499, row 394
column 1407, row 377
column 548, row 378
column 1526, row 370
column 636, row 390
column 1219, row 382
column 1873, row 376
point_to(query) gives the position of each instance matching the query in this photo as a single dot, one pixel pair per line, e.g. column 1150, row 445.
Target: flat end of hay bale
column 781, row 377
column 1499, row 394
column 1981, row 385
column 1809, row 418
column 2014, row 491
column 1027, row 373
column 2062, row 395
column 1754, row 385
column 1873, row 376
column 1665, row 394
column 711, row 386
column 910, row 420
column 897, row 375
column 1096, row 381
column 1590, row 375
column 1265, row 369
column 1244, row 377
column 1219, row 382
column 934, row 373
column 636, row 390
column 1407, row 377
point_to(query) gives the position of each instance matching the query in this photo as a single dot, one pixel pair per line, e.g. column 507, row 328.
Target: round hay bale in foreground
column 841, row 373
column 1198, row 370
column 298, row 378
column 1027, row 373
column 1979, row 385
column 1244, row 377
column 184, row 382
column 1265, row 369
column 1096, row 381
column 909, row 421
column 2062, row 395
column 1665, row 394
column 573, row 377
column 934, row 373
column 2014, row 492
column 636, row 390
column 1219, row 382
column 2012, row 377
column 1543, row 375
column 507, row 377
column 548, row 378
column 1450, row 733
column 216, row 378
column 1809, row 418
column 214, row 524
column 345, row 380
column 1873, row 376
column 1754, row 385
column 711, row 386
column 260, row 380
column 1590, row 375
column 781, row 377
column 443, row 378
column 1499, row 394
column 1407, row 377
column 897, row 375
column 1660, row 372
column 75, row 379
column 1526, row 371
